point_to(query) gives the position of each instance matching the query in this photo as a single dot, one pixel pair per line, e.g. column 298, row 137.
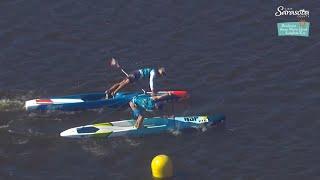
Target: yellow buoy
column 161, row 167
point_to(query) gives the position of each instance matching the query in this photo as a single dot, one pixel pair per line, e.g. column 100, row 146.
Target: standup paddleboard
column 151, row 126
column 90, row 101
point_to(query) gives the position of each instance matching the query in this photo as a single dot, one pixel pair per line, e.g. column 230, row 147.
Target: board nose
column 217, row 119
column 180, row 94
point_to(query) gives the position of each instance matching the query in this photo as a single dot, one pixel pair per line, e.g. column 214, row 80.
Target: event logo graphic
column 300, row 28
column 301, row 13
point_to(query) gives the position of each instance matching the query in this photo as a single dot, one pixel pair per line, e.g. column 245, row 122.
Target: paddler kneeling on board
column 148, row 103
column 145, row 73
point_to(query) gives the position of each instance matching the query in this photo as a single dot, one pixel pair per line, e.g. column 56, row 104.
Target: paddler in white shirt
column 145, row 73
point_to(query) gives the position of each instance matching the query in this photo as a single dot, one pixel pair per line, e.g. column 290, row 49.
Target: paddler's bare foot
column 141, row 127
column 108, row 95
column 139, row 122
column 138, row 125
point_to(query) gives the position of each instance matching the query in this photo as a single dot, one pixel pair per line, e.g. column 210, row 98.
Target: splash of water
column 11, row 104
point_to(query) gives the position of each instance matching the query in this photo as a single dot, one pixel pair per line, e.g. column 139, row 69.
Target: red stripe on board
column 180, row 94
column 44, row 101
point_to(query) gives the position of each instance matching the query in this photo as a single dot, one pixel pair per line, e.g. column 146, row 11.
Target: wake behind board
column 153, row 125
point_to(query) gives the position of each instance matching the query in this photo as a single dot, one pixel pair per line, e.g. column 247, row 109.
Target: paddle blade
column 114, row 63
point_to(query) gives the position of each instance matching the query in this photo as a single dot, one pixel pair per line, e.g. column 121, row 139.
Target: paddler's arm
column 159, row 97
column 152, row 75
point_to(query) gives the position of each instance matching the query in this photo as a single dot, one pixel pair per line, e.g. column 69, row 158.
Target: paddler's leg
column 139, row 122
column 130, row 79
column 113, row 87
column 136, row 114
column 161, row 97
column 113, row 90
column 109, row 91
column 121, row 85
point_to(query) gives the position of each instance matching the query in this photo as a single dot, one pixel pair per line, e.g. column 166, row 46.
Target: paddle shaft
column 124, row 72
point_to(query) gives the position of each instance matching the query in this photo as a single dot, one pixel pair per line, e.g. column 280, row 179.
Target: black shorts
column 134, row 76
